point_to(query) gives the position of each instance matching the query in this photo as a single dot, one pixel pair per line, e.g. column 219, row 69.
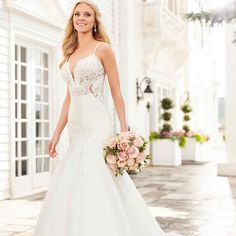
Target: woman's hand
column 52, row 146
column 124, row 128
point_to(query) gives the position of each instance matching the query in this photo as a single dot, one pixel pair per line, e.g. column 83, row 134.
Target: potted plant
column 192, row 148
column 166, row 143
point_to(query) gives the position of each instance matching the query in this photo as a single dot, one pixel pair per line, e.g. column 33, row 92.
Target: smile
column 81, row 24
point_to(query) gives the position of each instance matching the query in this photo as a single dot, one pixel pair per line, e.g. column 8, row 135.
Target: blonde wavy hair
column 70, row 41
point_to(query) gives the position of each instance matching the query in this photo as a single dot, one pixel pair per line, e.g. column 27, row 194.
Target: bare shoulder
column 105, row 50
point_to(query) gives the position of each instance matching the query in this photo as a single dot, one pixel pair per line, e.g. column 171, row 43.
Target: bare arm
column 62, row 121
column 63, row 116
column 109, row 62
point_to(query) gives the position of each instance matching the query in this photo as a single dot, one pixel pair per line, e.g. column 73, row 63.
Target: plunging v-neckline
column 72, row 72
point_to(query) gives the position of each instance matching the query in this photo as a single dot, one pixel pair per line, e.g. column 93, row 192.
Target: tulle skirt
column 84, row 198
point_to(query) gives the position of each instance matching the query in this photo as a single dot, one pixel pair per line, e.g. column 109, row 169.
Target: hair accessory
column 94, row 5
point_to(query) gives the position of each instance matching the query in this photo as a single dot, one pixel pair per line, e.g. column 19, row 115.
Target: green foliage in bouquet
column 146, row 160
column 144, row 147
column 126, row 151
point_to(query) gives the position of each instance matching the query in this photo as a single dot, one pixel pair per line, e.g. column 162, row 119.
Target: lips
column 81, row 24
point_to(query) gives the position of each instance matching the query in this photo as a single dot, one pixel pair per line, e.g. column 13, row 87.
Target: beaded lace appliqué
column 88, row 78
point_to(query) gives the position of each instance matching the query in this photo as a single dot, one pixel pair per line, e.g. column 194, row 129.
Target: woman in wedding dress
column 84, row 197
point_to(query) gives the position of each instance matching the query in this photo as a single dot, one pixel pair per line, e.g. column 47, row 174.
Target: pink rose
column 130, row 162
column 112, row 142
column 134, row 167
column 123, row 144
column 126, row 167
column 133, row 151
column 127, row 135
column 131, row 134
column 121, row 164
column 122, row 156
column 123, row 135
column 111, row 159
column 138, row 142
column 141, row 157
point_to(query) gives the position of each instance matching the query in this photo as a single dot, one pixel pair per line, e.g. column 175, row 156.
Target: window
column 41, row 111
column 21, row 112
column 32, row 106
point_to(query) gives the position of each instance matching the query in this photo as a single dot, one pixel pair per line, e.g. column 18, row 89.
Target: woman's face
column 83, row 18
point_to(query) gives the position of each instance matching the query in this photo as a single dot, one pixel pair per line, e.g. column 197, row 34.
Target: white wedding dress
column 84, row 198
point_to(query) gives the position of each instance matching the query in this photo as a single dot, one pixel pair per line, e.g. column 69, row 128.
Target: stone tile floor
column 190, row 199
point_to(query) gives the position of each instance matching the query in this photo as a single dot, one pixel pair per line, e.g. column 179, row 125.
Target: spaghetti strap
column 96, row 48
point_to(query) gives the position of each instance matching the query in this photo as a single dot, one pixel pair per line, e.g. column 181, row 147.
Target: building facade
column 31, row 89
column 149, row 39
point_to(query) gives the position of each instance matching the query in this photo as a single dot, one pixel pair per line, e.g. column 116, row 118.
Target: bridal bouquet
column 126, row 151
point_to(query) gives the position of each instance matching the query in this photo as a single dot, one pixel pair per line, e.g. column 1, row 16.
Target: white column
column 229, row 168
column 125, row 60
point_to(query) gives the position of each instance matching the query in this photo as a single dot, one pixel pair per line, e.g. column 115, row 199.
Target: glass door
column 41, row 116
column 31, row 117
column 22, row 159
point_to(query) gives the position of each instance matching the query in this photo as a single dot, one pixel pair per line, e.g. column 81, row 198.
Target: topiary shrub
column 166, row 105
column 186, row 108
column 165, row 131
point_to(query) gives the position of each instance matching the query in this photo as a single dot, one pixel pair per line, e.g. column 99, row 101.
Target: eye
column 76, row 14
column 87, row 14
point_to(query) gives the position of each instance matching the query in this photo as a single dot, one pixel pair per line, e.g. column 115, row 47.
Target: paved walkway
column 191, row 200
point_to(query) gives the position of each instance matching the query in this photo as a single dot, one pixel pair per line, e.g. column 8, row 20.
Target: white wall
column 130, row 63
column 165, row 53
column 15, row 24
column 202, row 81
column 4, row 103
column 230, row 94
column 229, row 168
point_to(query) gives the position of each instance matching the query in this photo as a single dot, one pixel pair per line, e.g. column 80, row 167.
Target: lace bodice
column 88, row 76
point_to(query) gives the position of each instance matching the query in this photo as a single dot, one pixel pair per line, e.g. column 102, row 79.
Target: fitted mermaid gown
column 84, row 198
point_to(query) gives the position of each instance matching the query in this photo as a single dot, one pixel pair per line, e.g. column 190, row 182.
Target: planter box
column 166, row 152
column 192, row 150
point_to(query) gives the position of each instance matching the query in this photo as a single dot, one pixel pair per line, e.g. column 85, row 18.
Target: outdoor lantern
column 147, row 93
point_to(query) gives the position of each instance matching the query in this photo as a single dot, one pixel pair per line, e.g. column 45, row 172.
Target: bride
column 84, row 197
